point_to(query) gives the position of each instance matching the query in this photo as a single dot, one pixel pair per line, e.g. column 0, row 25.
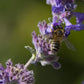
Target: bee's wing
column 69, row 44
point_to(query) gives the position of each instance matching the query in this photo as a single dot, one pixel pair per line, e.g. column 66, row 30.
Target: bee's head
column 58, row 29
column 56, row 26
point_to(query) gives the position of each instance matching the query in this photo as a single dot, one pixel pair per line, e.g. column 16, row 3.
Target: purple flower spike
column 15, row 74
column 62, row 8
column 42, row 27
column 79, row 17
column 44, row 54
column 35, row 39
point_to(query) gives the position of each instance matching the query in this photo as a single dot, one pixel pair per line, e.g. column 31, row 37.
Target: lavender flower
column 77, row 27
column 52, row 2
column 62, row 8
column 79, row 17
column 58, row 2
column 58, row 9
column 42, row 27
column 3, row 75
column 42, row 45
column 62, row 11
column 15, row 74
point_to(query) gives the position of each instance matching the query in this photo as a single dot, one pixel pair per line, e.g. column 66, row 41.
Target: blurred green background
column 18, row 18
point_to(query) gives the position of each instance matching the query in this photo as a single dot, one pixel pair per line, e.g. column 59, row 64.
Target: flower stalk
column 29, row 61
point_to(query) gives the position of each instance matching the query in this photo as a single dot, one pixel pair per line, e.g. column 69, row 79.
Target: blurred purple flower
column 83, row 82
column 79, row 17
column 51, row 2
column 69, row 27
column 62, row 8
column 57, row 2
column 15, row 74
column 58, row 9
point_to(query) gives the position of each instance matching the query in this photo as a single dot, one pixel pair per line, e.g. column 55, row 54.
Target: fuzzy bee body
column 55, row 36
column 58, row 34
column 55, row 45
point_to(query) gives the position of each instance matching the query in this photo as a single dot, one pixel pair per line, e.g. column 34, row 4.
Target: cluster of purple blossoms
column 63, row 8
column 15, row 74
column 42, row 46
column 62, row 11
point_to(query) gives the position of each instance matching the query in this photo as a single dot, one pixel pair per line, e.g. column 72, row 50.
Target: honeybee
column 57, row 37
column 58, row 34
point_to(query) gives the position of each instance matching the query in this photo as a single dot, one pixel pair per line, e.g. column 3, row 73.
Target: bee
column 58, row 34
column 56, row 37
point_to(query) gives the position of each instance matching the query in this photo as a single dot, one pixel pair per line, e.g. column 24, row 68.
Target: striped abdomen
column 55, row 45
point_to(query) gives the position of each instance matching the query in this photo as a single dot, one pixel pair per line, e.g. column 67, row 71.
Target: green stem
column 29, row 61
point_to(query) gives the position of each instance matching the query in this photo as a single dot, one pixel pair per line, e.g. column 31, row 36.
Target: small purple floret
column 58, row 2
column 42, row 27
column 79, row 17
column 58, row 9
